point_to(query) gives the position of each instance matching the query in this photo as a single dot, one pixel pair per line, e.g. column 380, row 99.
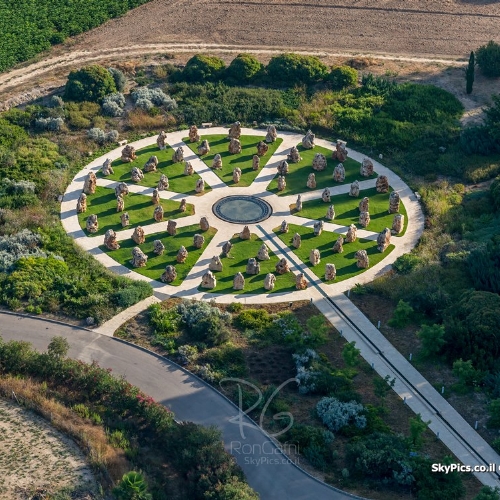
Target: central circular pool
column 242, row 209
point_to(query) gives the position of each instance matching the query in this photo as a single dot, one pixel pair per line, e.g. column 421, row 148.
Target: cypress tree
column 469, row 74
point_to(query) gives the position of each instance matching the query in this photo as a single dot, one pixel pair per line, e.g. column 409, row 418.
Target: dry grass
column 141, row 120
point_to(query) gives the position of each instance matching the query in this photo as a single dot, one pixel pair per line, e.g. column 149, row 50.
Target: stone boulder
column 208, row 280
column 300, row 282
column 128, row 154
column 234, row 147
column 182, row 255
column 338, row 245
column 136, row 174
column 339, row 173
column 106, row 168
column 340, row 152
column 200, row 186
column 269, row 281
column 151, row 164
column 217, row 162
column 296, row 240
column 198, row 240
column 330, row 213
column 155, row 198
column 384, row 240
column 138, row 235
column 158, row 213
column 194, row 136
column 351, row 235
column 245, row 234
column 282, row 267
column 203, row 148
column 293, row 156
column 318, row 227
column 326, row 196
column 330, row 272
column 308, row 140
column 363, row 262
column 92, row 224
column 319, row 162
column 398, row 223
column 161, row 140
column 139, row 258
column 366, row 169
column 158, row 247
column 354, row 189
column 314, row 257
column 263, row 253
column 271, row 134
column 239, row 282
column 215, row 264
column 364, row 205
column 283, row 167
column 169, row 275
column 81, row 205
column 394, row 201
column 188, row 168
column 311, row 181
column 234, row 131
column 236, row 175
column 281, row 183
column 178, row 155
column 262, row 148
column 226, row 248
column 121, row 189
column 364, row 219
column 163, row 183
column 204, row 224
column 298, row 203
column 120, row 204
column 110, row 240
column 284, row 227
column 90, row 183
column 125, row 219
column 172, row 227
column 253, row 266
column 255, row 162
column 382, row 184
column 183, row 205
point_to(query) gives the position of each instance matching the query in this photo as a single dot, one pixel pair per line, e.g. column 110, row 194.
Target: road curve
column 266, row 469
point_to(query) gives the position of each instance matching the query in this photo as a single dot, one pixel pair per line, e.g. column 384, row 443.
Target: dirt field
column 35, row 457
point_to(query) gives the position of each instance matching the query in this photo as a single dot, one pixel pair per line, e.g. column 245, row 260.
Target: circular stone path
column 225, row 207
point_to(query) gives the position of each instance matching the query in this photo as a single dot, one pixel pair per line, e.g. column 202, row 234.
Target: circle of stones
column 265, row 208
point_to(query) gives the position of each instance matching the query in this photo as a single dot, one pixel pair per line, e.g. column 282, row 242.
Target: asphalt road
column 266, row 469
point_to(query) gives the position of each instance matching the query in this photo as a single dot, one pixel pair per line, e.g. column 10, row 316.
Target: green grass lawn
column 220, row 143
column 237, row 262
column 297, row 178
column 345, row 262
column 179, row 182
column 347, row 211
column 139, row 207
column 156, row 263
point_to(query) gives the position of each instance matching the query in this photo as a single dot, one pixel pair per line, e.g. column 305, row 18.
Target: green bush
column 484, row 266
column 293, row 69
column 226, row 359
column 244, row 68
column 254, row 319
column 342, row 77
column 432, row 339
column 126, row 297
column 201, row 68
column 132, row 487
column 488, row 493
column 488, row 58
column 91, row 83
column 402, row 315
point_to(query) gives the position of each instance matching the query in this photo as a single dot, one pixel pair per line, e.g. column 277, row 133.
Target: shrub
column 52, row 124
column 495, row 193
column 146, row 99
column 244, row 68
column 187, row 353
column 201, row 68
column 484, row 265
column 98, row 135
column 488, row 58
column 80, row 115
column 402, row 315
column 55, row 102
column 113, row 104
column 119, row 78
column 488, row 493
column 254, row 319
column 335, row 414
column 163, row 321
column 432, row 339
column 342, row 77
column 127, row 297
column 18, row 246
column 132, row 487
column 58, row 347
column 294, row 69
column 91, row 83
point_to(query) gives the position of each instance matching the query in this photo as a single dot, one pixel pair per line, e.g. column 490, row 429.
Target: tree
column 402, row 314
column 132, row 487
column 381, row 386
column 91, row 83
column 488, row 58
column 342, row 77
column 437, row 485
column 417, row 428
column 294, row 69
column 244, row 68
column 432, row 338
column 350, row 353
column 58, row 347
column 201, row 68
column 469, row 74
column 488, row 493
